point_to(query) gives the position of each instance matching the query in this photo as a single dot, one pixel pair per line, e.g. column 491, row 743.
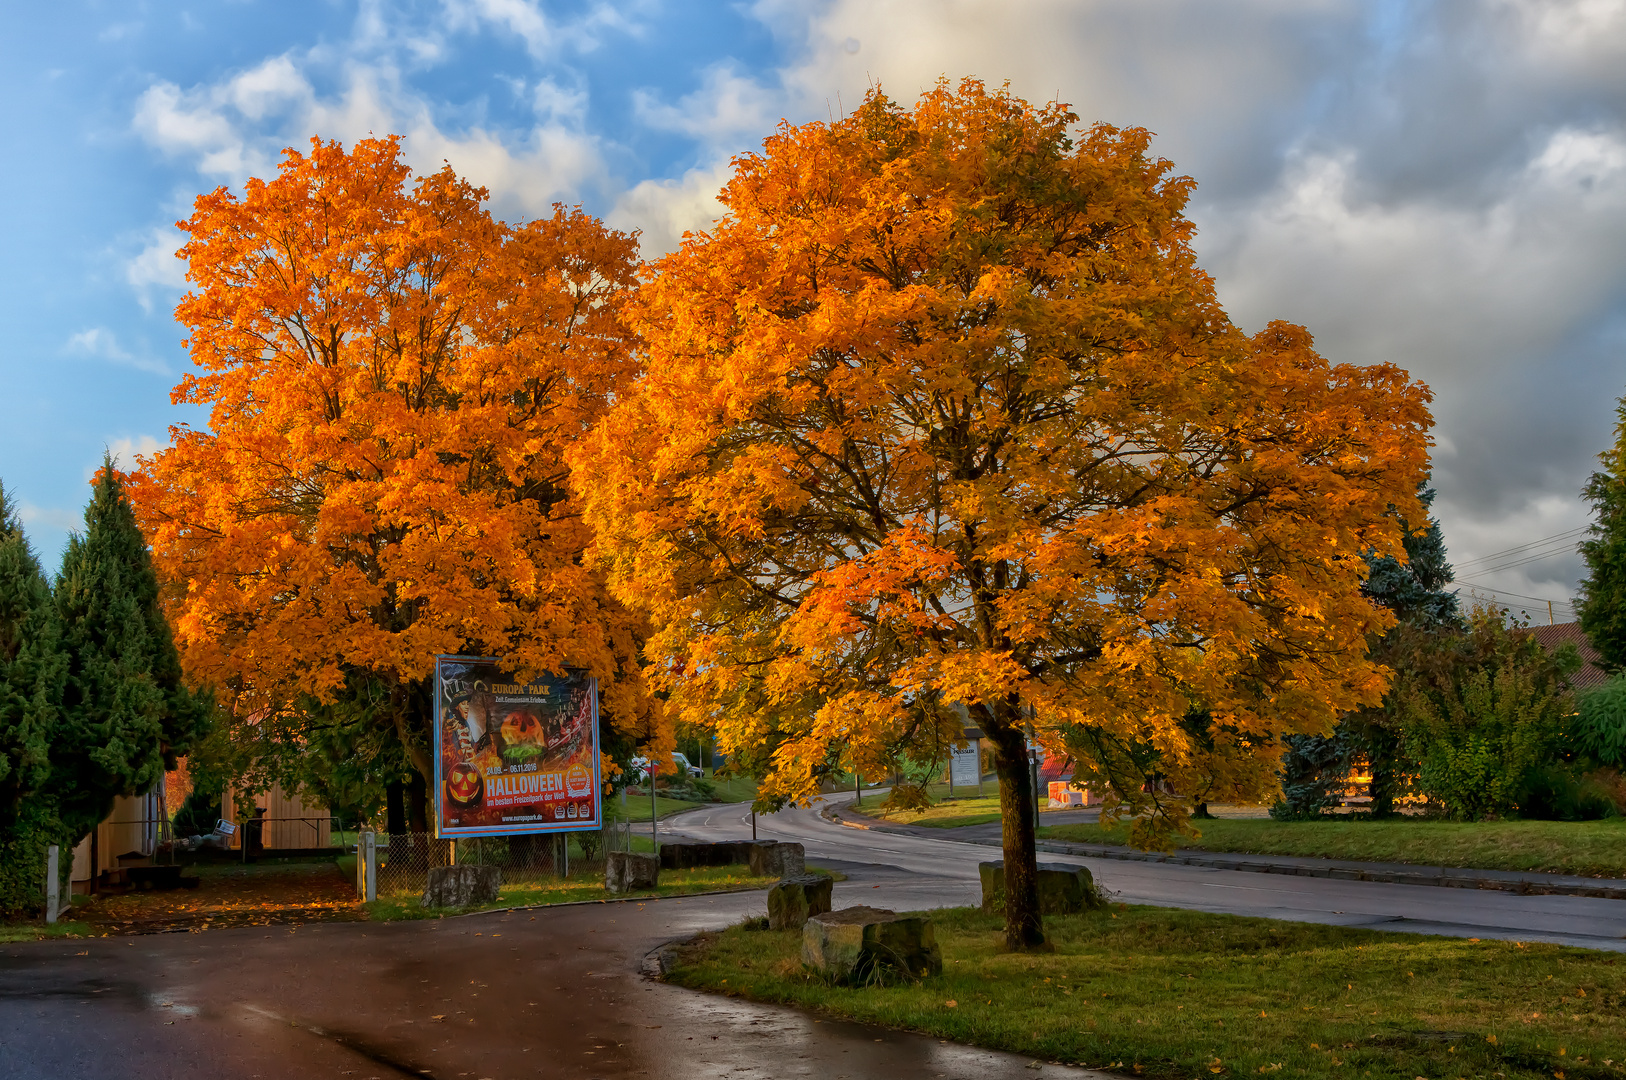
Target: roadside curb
column 1338, row 870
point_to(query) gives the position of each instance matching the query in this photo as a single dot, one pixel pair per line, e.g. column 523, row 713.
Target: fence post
column 53, row 884
column 367, row 865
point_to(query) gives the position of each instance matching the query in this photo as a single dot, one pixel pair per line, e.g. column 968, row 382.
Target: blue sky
column 1437, row 184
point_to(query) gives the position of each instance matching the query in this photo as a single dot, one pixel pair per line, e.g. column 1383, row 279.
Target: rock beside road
column 1063, row 889
column 627, row 871
column 861, row 945
column 766, row 858
column 462, row 886
column 796, row 899
column 771, row 858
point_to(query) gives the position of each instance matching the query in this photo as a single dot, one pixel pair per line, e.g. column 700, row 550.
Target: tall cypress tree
column 1602, row 596
column 31, row 674
column 127, row 716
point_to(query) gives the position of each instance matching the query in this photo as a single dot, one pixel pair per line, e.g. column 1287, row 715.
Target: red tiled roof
column 1552, row 637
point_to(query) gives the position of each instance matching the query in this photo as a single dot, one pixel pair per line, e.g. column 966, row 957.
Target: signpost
column 965, row 765
column 514, row 757
column 53, row 884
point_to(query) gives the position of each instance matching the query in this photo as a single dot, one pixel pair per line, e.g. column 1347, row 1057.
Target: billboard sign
column 965, row 766
column 514, row 757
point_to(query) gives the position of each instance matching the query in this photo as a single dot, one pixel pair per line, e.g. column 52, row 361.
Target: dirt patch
column 253, row 895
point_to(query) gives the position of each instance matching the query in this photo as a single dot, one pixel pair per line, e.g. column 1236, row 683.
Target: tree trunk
column 1383, row 754
column 417, row 803
column 395, row 808
column 1024, row 928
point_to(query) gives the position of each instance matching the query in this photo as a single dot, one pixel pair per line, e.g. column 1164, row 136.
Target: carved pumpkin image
column 521, row 727
column 465, row 785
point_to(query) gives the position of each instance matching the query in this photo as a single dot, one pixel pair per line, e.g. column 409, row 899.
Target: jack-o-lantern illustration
column 465, row 785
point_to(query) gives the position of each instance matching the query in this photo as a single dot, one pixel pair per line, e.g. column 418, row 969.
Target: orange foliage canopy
column 944, row 411
column 392, row 378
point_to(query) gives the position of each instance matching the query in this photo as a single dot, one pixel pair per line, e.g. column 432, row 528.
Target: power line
column 1567, row 534
column 1567, row 549
column 1521, row 596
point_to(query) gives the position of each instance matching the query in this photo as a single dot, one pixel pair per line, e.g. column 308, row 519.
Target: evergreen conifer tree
column 1416, row 592
column 127, row 716
column 31, row 675
column 1602, row 595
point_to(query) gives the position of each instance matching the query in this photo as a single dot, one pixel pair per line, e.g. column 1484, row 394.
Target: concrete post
column 53, row 884
column 367, row 865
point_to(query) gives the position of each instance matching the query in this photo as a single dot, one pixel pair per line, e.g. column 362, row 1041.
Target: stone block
column 1063, row 889
column 682, row 855
column 628, row 871
column 798, row 898
column 462, row 886
column 770, row 858
column 864, row 945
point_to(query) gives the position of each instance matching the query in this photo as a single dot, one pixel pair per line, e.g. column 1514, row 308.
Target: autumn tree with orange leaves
column 392, row 378
column 943, row 411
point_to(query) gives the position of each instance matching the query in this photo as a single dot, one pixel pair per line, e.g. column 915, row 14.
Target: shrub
column 1598, row 731
column 198, row 813
column 1561, row 792
column 1481, row 713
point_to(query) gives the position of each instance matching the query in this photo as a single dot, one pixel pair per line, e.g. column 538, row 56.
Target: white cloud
column 665, row 209
column 237, row 127
column 125, row 451
column 51, row 517
column 545, row 38
column 101, row 343
column 155, row 267
column 728, row 106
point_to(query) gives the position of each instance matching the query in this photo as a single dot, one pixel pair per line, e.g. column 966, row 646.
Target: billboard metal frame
column 596, row 787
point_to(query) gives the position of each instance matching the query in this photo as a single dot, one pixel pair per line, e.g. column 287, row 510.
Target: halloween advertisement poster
column 514, row 757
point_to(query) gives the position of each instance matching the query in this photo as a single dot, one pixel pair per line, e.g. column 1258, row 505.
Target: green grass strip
column 1589, row 848
column 1177, row 995
column 575, row 890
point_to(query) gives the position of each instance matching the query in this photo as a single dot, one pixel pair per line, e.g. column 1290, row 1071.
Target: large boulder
column 462, row 886
column 770, row 858
column 798, row 898
column 864, row 945
column 1063, row 889
column 628, row 871
column 683, row 855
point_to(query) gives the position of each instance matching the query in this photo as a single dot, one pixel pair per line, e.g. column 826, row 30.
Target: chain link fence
column 405, row 859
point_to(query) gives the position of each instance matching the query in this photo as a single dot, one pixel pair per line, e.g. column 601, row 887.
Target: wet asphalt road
column 558, row 992
column 548, row 993
column 936, row 873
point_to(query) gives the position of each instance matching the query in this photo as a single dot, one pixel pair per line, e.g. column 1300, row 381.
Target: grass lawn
column 586, row 886
column 1179, row 994
column 734, row 788
column 638, row 807
column 1595, row 848
column 39, row 931
column 965, row 807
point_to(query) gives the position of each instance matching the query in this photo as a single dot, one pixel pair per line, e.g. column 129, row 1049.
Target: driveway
column 548, row 993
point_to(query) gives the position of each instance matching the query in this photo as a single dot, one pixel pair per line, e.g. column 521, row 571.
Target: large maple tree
column 944, row 411
column 392, row 378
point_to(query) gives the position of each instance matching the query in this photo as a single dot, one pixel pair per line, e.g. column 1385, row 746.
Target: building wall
column 133, row 828
column 289, row 821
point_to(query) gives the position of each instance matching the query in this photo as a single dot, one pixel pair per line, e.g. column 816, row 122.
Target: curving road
column 927, row 872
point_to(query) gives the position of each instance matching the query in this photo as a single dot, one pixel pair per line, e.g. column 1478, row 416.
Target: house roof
column 1552, row 637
